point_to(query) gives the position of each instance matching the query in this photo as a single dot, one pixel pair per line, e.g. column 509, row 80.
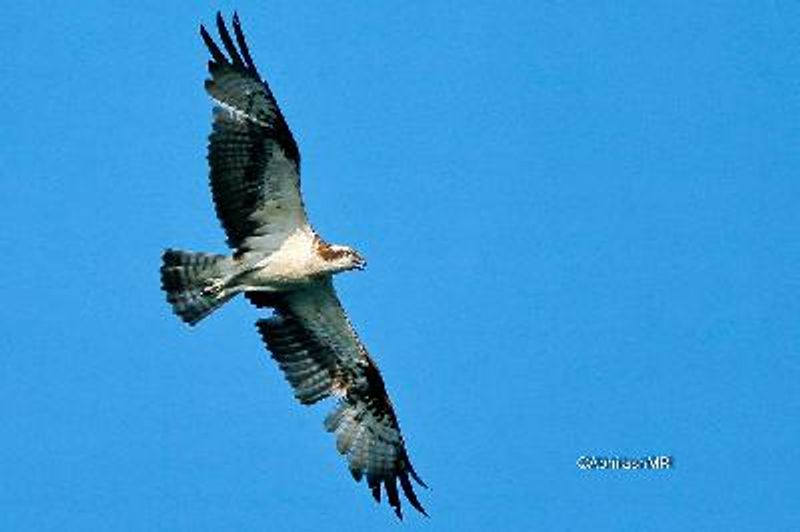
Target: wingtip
column 408, row 490
column 421, row 509
column 216, row 55
column 220, row 20
column 418, row 507
column 416, row 477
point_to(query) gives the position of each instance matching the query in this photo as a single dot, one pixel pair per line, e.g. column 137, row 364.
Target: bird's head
column 340, row 258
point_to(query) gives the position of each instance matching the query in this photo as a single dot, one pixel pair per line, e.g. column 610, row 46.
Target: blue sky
column 582, row 231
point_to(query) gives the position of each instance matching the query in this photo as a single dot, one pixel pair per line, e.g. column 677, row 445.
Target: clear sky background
column 581, row 224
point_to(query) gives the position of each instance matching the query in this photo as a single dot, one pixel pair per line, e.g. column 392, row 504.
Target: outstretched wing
column 254, row 160
column 316, row 347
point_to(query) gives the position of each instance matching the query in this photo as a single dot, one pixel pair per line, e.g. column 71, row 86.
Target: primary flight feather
column 280, row 262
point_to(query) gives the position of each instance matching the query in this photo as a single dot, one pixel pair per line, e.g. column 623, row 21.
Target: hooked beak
column 361, row 263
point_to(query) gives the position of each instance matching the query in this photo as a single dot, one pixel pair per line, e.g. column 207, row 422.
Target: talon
column 214, row 286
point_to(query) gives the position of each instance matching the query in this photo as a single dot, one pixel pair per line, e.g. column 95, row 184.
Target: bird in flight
column 279, row 262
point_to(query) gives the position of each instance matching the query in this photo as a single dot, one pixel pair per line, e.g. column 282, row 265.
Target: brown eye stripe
column 327, row 252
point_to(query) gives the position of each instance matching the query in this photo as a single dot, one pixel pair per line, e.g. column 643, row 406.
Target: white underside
column 294, row 263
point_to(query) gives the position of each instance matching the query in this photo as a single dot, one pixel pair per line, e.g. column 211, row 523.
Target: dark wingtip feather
column 216, row 53
column 237, row 30
column 408, row 490
column 228, row 42
column 393, row 497
column 375, row 486
column 415, row 476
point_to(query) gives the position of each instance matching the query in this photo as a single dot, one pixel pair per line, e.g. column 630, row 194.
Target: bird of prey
column 280, row 262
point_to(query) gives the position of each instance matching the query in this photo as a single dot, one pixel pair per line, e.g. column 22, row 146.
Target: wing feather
column 240, row 40
column 320, row 354
column 253, row 157
column 233, row 53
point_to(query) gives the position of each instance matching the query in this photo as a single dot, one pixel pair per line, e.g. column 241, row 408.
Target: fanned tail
column 195, row 283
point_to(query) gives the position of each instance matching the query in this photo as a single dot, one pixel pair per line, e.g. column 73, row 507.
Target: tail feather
column 194, row 283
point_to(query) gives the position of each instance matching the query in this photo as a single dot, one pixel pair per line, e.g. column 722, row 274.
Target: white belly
column 294, row 263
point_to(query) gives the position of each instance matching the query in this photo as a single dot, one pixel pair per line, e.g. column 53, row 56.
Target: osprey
column 280, row 262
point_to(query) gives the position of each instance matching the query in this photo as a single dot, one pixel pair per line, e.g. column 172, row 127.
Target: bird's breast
column 294, row 262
